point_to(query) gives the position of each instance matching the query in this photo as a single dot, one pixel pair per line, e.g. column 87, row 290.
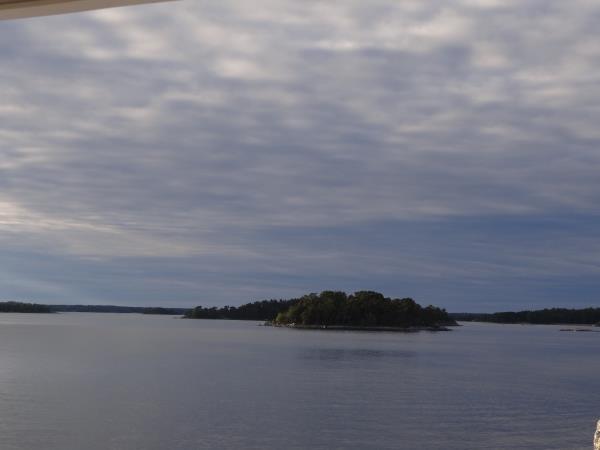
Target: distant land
column 553, row 316
column 331, row 308
column 35, row 308
column 336, row 310
column 119, row 309
column 19, row 307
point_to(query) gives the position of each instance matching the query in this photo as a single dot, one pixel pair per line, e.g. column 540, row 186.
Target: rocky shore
column 597, row 437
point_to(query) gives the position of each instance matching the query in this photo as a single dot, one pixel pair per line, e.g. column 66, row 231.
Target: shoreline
column 410, row 329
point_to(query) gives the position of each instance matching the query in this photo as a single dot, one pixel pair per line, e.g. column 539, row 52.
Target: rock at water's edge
column 597, row 437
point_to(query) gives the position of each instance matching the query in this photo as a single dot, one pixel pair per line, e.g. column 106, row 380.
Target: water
column 103, row 381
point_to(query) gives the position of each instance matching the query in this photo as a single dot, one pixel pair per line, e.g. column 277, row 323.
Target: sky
column 219, row 152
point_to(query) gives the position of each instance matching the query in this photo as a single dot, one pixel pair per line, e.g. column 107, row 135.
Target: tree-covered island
column 365, row 310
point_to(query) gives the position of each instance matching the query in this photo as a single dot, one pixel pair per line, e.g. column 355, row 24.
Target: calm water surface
column 104, row 381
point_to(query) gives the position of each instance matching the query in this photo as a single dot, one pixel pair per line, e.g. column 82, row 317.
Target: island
column 336, row 310
column 363, row 310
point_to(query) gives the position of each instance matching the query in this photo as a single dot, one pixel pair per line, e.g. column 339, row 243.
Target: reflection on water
column 339, row 354
column 121, row 382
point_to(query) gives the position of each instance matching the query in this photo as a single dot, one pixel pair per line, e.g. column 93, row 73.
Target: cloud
column 200, row 132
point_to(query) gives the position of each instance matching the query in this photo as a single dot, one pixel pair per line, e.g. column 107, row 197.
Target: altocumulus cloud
column 216, row 152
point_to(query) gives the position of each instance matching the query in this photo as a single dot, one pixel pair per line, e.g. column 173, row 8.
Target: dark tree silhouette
column 19, row 307
column 587, row 316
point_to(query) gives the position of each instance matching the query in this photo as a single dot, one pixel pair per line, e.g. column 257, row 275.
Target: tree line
column 261, row 310
column 20, row 307
column 586, row 316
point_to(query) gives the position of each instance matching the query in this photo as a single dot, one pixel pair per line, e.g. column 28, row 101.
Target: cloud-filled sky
column 217, row 152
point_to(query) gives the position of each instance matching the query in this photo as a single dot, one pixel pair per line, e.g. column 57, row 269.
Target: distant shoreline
column 268, row 310
column 36, row 308
column 411, row 329
column 548, row 316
